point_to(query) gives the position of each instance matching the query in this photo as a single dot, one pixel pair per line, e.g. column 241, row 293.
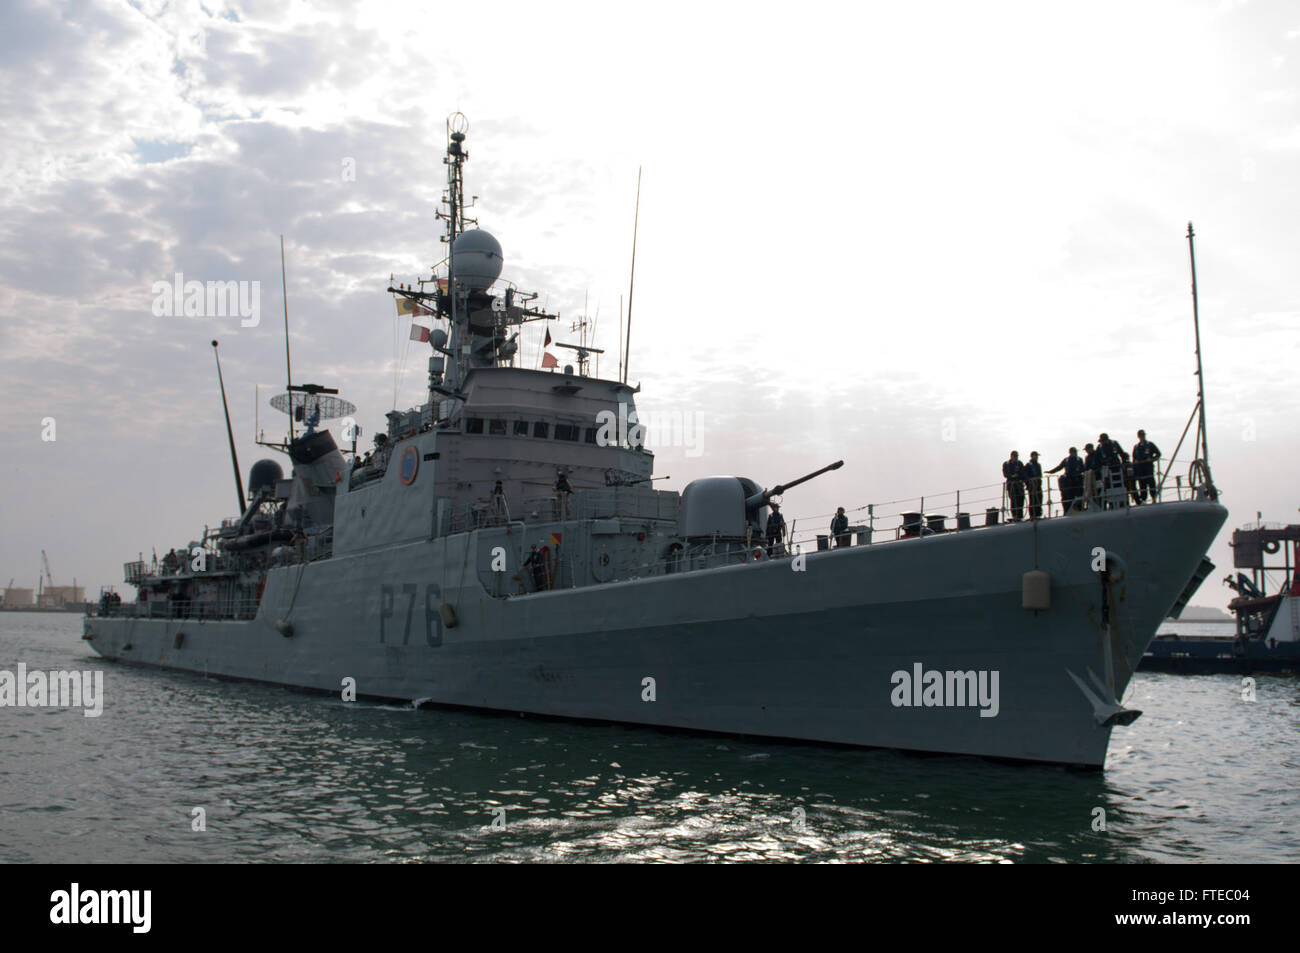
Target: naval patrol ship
column 502, row 547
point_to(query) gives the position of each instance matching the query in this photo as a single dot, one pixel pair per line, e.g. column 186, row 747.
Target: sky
column 909, row 236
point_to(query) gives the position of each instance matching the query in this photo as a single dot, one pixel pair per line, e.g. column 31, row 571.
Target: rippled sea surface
column 288, row 776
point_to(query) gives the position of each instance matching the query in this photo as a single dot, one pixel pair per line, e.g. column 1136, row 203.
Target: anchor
column 1106, row 708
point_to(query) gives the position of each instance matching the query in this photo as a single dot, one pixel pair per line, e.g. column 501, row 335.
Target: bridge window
column 541, row 429
column 521, row 428
column 473, row 424
column 589, row 435
column 497, row 428
column 566, row 431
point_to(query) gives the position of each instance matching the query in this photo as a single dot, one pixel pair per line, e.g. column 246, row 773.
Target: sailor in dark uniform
column 1091, row 476
column 562, row 491
column 1071, row 481
column 1033, row 476
column 840, row 528
column 1145, row 454
column 535, row 563
column 775, row 531
column 1113, row 459
column 1013, row 471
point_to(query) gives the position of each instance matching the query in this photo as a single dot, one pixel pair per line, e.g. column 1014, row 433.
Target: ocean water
column 288, row 776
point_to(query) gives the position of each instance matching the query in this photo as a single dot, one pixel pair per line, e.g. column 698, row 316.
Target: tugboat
column 1267, row 637
column 502, row 547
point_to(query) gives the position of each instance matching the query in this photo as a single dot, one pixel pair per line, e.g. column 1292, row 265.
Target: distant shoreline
column 1205, row 614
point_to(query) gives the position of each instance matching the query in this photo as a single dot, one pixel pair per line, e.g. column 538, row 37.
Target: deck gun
column 757, row 500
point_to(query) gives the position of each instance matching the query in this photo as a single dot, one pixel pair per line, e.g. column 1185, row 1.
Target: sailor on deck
column 840, row 528
column 1145, row 453
column 1013, row 470
column 499, row 508
column 1091, row 475
column 537, row 565
column 1111, row 471
column 775, row 531
column 562, row 492
column 1033, row 474
column 1071, row 481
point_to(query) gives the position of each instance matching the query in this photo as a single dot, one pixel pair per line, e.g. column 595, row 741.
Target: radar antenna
column 309, row 404
column 584, row 355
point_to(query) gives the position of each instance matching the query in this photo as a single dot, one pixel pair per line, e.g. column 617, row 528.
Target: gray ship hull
column 756, row 648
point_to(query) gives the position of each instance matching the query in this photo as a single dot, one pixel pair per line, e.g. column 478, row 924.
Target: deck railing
column 974, row 507
column 222, row 609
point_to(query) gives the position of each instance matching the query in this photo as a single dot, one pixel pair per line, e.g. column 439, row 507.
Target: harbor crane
column 47, row 580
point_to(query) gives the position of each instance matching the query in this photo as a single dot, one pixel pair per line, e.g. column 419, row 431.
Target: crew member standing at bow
column 1112, row 458
column 1091, row 476
column 1145, row 454
column 1033, row 474
column 1071, row 481
column 1013, row 470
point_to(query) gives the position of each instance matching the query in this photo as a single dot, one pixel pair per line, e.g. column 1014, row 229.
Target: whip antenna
column 288, row 368
column 230, row 434
column 631, row 284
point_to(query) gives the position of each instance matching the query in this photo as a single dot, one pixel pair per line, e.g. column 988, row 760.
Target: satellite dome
column 476, row 259
column 265, row 473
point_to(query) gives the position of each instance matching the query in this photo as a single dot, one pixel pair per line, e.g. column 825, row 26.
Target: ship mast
column 479, row 321
column 454, row 197
column 1201, row 439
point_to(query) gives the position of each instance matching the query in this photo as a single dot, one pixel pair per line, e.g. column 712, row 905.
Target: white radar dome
column 477, row 260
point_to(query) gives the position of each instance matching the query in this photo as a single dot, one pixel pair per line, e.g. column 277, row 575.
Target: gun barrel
column 762, row 499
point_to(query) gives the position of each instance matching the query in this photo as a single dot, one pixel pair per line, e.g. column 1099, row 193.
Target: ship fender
column 1036, row 590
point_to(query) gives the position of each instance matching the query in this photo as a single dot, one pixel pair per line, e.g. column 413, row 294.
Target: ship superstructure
column 501, row 546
